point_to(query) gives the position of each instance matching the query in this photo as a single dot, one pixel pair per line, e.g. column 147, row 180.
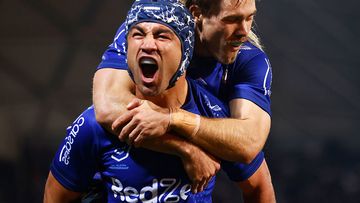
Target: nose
column 149, row 44
column 242, row 30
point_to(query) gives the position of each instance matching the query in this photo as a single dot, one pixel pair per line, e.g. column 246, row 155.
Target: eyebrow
column 163, row 30
column 157, row 31
column 235, row 16
column 137, row 27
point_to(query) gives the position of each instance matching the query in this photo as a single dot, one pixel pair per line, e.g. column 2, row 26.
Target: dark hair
column 208, row 7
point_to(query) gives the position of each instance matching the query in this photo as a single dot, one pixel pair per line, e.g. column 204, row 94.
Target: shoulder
column 252, row 65
column 76, row 159
column 83, row 132
column 250, row 52
column 250, row 60
column 115, row 55
column 207, row 104
column 86, row 121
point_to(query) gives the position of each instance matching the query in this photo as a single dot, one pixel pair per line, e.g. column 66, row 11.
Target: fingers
column 134, row 137
column 127, row 129
column 119, row 123
column 199, row 186
column 194, row 187
column 134, row 103
column 139, row 139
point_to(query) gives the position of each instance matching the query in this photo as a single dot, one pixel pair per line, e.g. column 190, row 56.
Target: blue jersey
column 136, row 174
column 249, row 77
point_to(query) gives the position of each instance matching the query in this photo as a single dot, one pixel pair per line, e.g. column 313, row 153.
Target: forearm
column 231, row 139
column 258, row 188
column 112, row 91
column 259, row 196
column 169, row 144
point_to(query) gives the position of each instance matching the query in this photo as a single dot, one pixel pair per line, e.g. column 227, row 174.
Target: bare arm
column 238, row 139
column 112, row 91
column 258, row 188
column 56, row 193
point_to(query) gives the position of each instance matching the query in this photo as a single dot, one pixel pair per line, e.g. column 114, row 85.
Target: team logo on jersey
column 163, row 190
column 121, row 153
column 212, row 107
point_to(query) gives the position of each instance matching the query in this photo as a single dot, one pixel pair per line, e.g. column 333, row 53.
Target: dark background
column 50, row 49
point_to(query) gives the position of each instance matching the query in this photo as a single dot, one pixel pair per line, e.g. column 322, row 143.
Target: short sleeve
column 238, row 171
column 115, row 54
column 252, row 80
column 74, row 164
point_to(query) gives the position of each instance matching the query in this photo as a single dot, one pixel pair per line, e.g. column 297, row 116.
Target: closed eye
column 137, row 35
column 164, row 34
column 164, row 37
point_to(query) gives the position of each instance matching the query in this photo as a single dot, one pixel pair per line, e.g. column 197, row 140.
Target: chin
column 226, row 58
column 229, row 58
column 149, row 91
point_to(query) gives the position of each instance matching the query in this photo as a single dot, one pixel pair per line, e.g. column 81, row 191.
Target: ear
column 198, row 16
column 196, row 13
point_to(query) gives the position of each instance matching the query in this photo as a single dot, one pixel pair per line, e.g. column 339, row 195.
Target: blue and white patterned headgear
column 172, row 14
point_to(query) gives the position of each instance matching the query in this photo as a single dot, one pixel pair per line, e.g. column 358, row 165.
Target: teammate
column 156, row 47
column 238, row 73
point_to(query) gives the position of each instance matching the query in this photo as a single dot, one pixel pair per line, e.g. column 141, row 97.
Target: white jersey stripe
column 266, row 75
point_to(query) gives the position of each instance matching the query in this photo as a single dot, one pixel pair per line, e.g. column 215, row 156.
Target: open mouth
column 148, row 67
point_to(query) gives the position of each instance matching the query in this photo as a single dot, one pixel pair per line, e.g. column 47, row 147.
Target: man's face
column 154, row 54
column 222, row 34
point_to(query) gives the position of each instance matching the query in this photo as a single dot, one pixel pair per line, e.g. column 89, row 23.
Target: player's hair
column 212, row 7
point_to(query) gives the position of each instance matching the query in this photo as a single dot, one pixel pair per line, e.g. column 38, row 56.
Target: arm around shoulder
column 112, row 91
column 238, row 139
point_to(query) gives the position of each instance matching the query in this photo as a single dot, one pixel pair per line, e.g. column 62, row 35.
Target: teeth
column 147, row 61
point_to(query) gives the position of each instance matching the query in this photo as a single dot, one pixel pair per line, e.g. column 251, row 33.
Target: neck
column 200, row 48
column 173, row 97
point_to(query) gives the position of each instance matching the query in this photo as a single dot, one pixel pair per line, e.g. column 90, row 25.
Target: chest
column 139, row 175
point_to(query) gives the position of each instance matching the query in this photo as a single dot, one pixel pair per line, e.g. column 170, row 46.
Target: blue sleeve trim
column 252, row 93
column 112, row 64
column 239, row 172
column 64, row 181
column 113, row 59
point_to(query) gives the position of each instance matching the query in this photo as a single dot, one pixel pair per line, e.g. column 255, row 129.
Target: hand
column 200, row 168
column 144, row 120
